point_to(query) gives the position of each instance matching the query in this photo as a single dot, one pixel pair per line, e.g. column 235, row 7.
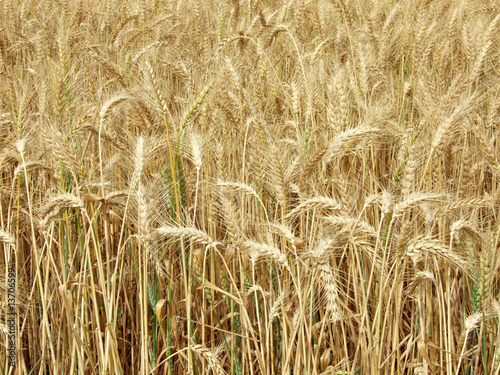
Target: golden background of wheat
column 250, row 187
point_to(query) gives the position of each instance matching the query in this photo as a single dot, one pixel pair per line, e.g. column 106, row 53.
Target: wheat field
column 249, row 187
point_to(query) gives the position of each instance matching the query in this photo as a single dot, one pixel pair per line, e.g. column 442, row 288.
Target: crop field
column 275, row 187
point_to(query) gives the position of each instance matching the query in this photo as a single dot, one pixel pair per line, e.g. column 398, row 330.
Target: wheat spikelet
column 7, row 238
column 110, row 67
column 213, row 360
column 482, row 54
column 52, row 208
column 274, row 311
column 145, row 111
column 198, row 272
column 287, row 233
column 472, row 322
column 110, row 104
column 348, row 139
column 363, row 69
column 120, row 27
column 320, row 256
column 234, row 76
column 493, row 116
column 147, row 48
column 466, row 226
column 62, row 151
column 357, row 227
column 419, row 278
column 196, row 150
column 295, row 100
column 139, row 162
column 87, row 116
column 418, row 248
column 193, row 110
column 342, row 106
column 315, row 203
column 28, row 166
column 320, row 253
column 409, row 172
column 331, row 290
column 115, row 198
column 181, row 70
column 253, row 289
column 488, row 149
column 274, row 33
column 294, row 321
column 467, row 42
column 258, row 250
column 414, row 200
column 486, row 266
column 233, row 221
column 142, row 212
column 372, row 199
column 109, row 136
column 65, row 200
column 447, row 128
column 467, row 202
column 138, row 189
column 309, row 166
column 193, row 234
column 278, row 176
column 240, row 187
column 466, row 173
column 156, row 88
